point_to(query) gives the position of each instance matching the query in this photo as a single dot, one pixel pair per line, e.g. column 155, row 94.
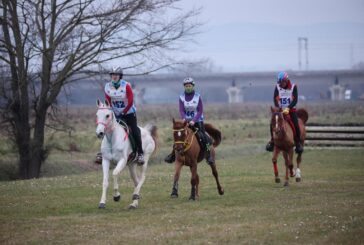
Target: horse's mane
column 214, row 133
column 303, row 114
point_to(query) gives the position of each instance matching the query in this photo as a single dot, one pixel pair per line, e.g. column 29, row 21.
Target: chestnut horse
column 189, row 153
column 283, row 137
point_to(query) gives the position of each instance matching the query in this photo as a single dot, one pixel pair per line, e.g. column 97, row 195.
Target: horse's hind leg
column 139, row 181
column 298, row 170
column 178, row 167
column 216, row 175
column 105, row 182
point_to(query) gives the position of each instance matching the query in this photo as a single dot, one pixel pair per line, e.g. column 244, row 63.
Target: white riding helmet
column 188, row 80
column 117, row 70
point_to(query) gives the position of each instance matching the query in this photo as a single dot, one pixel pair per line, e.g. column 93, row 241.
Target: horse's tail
column 153, row 130
column 303, row 114
column 214, row 133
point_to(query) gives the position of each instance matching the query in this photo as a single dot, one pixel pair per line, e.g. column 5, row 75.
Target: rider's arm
column 130, row 96
column 199, row 110
column 294, row 98
column 108, row 98
column 276, row 98
column 182, row 109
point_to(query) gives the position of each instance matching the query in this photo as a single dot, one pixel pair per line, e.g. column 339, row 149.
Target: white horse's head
column 104, row 118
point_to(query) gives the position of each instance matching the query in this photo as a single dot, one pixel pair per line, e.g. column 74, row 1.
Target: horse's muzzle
column 100, row 135
column 180, row 150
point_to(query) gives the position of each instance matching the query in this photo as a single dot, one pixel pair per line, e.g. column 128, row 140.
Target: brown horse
column 283, row 137
column 189, row 153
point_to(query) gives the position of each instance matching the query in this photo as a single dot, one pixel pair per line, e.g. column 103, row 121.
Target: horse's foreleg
column 139, row 182
column 178, row 167
column 105, row 182
column 298, row 170
column 286, row 164
column 119, row 167
column 275, row 167
column 193, row 169
column 216, row 175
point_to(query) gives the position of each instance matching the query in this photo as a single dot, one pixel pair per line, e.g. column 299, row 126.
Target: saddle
column 132, row 156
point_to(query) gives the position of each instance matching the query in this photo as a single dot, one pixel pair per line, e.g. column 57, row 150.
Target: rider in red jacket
column 285, row 97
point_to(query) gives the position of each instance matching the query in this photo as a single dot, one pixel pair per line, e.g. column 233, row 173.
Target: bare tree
column 46, row 44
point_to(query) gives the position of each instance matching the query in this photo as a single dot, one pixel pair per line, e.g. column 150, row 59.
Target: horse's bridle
column 185, row 143
column 108, row 121
column 278, row 129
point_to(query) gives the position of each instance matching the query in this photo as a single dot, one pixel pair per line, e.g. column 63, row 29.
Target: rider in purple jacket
column 191, row 111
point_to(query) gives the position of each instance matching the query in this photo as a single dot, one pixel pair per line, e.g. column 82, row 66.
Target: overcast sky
column 242, row 35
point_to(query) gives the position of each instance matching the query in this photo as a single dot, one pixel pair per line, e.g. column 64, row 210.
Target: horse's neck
column 116, row 133
column 288, row 133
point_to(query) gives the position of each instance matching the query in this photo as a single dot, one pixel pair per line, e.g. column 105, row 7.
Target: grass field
column 327, row 207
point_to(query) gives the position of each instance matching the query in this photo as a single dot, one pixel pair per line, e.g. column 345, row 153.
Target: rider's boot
column 209, row 158
column 171, row 157
column 299, row 146
column 270, row 146
column 98, row 158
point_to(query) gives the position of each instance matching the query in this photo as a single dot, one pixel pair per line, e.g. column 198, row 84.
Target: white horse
column 116, row 147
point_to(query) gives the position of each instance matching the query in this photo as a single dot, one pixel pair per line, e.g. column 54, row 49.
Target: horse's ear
column 107, row 103
column 184, row 123
column 174, row 121
column 98, row 102
column 271, row 109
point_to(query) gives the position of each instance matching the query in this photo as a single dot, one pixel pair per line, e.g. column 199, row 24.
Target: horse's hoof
column 117, row 198
column 221, row 191
column 292, row 174
column 298, row 179
column 278, row 180
column 131, row 206
column 102, row 206
column 286, row 184
column 174, row 195
column 192, row 199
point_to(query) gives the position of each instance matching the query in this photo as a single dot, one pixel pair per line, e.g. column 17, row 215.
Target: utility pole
column 302, row 43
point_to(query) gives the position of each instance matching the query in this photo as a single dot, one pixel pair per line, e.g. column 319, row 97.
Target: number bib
column 191, row 106
column 285, row 96
column 118, row 98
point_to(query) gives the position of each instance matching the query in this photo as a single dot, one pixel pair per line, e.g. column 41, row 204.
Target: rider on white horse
column 119, row 94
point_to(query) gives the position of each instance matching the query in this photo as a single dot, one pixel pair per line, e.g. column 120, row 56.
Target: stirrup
column 269, row 146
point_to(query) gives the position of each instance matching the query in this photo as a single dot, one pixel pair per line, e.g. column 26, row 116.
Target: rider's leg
column 131, row 121
column 206, row 142
column 270, row 145
column 299, row 147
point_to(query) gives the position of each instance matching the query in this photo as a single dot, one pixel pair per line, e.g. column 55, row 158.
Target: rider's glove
column 286, row 111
